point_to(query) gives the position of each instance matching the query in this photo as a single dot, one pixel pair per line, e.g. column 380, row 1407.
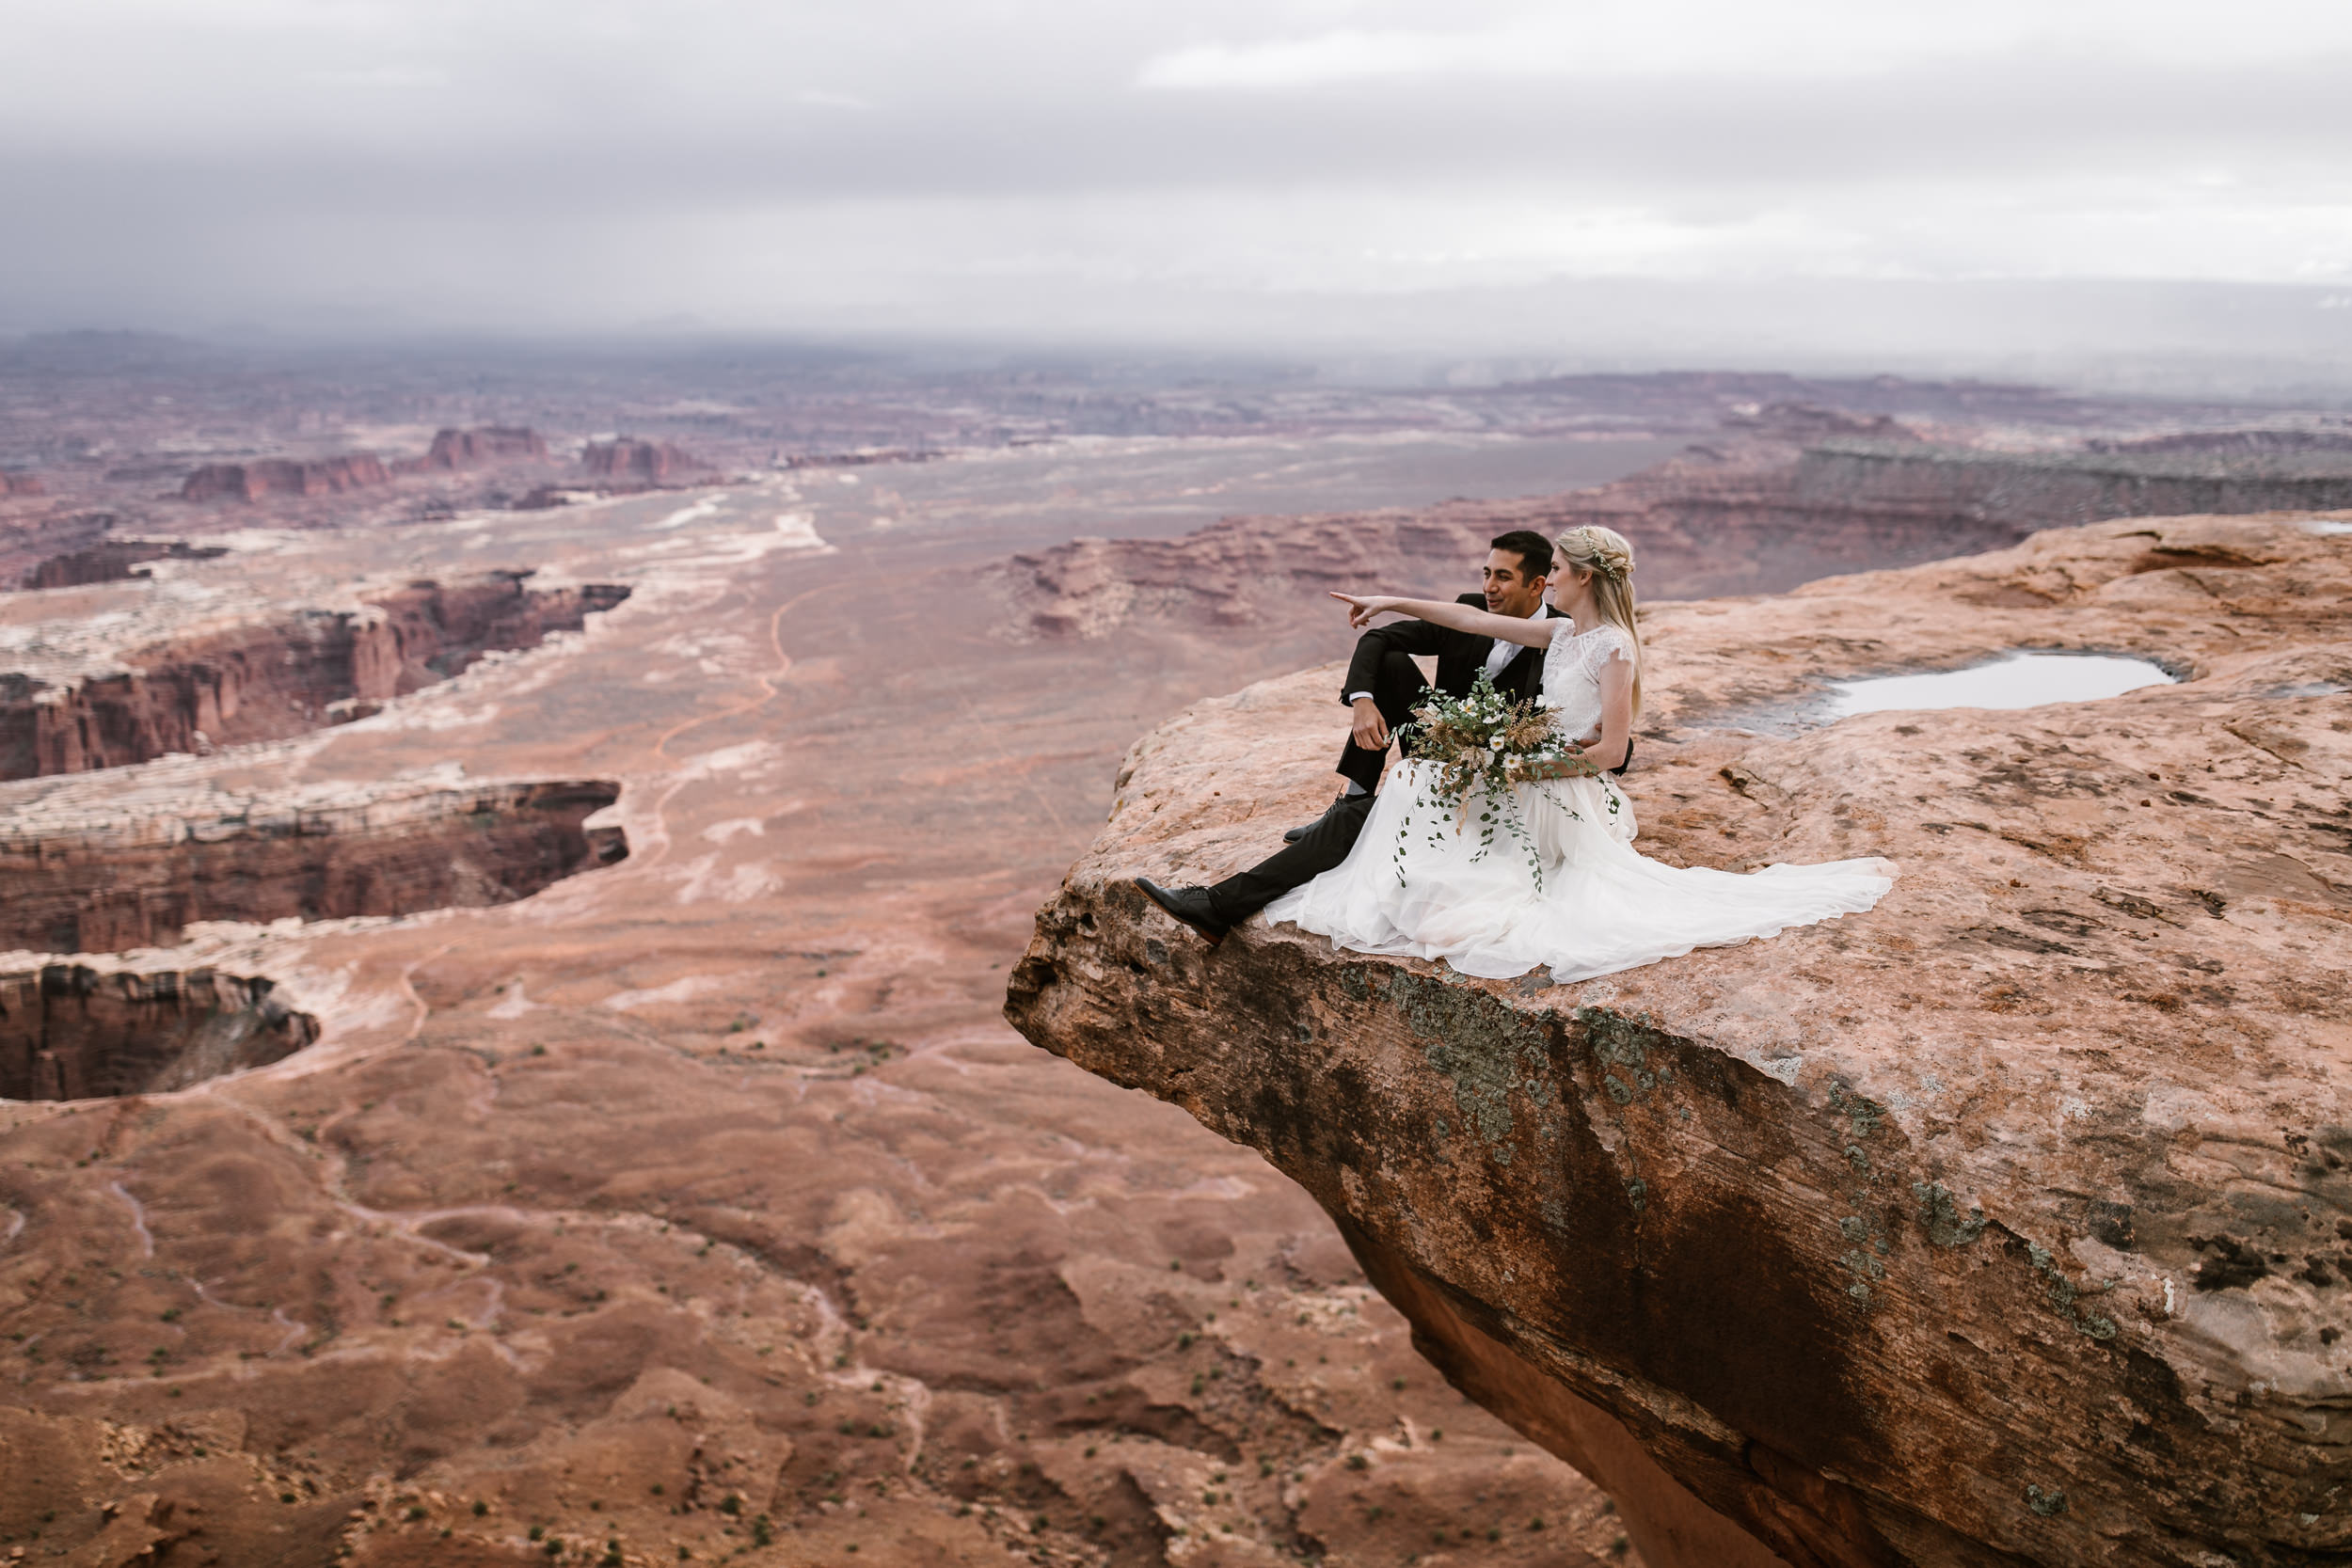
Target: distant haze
column 2125, row 187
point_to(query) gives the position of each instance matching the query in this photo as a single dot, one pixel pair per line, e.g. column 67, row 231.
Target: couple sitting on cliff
column 1550, row 875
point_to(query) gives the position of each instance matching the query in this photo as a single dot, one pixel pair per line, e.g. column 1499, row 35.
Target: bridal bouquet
column 1477, row 748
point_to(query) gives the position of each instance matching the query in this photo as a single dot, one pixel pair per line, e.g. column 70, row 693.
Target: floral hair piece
column 1594, row 548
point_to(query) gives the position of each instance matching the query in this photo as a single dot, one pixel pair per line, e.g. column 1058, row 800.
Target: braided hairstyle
column 1604, row 553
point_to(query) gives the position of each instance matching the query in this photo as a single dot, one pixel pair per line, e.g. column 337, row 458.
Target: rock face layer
column 2149, row 480
column 464, row 449
column 116, row 880
column 2004, row 1223
column 27, row 541
column 266, row 680
column 70, row 1032
column 113, row 560
column 1808, row 493
column 283, row 476
column 625, row 459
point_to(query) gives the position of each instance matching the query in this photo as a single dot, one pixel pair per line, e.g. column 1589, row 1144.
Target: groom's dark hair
column 1532, row 549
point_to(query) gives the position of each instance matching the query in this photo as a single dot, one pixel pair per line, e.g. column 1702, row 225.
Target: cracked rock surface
column 2008, row 1221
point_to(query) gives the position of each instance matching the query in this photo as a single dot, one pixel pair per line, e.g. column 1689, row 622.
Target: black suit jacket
column 1460, row 656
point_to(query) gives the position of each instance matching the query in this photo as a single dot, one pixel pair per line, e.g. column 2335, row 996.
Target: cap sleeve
column 1615, row 643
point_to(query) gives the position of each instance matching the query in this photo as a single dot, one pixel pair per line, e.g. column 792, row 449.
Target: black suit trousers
column 1396, row 688
column 1327, row 843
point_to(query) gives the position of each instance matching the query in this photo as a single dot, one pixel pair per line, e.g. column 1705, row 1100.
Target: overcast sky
column 392, row 164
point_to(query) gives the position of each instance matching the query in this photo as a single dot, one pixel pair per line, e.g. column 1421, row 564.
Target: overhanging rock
column 2007, row 1222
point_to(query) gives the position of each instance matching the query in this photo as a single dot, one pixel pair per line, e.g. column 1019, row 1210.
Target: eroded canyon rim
column 1794, row 493
column 2005, row 1223
column 718, row 1172
column 91, row 870
column 113, row 560
column 713, row 1172
column 192, row 674
column 74, row 1032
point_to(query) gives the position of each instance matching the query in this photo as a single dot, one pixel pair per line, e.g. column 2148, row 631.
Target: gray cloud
column 805, row 165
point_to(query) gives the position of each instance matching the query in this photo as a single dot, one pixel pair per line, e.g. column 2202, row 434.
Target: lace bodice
column 1572, row 666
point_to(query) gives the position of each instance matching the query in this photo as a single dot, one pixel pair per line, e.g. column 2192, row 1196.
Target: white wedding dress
column 1417, row 885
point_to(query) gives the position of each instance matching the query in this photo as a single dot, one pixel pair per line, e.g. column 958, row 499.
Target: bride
column 1416, row 884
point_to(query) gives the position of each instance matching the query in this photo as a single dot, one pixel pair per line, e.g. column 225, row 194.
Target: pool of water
column 2021, row 680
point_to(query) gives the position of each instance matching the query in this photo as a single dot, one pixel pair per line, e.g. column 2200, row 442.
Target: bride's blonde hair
column 1605, row 552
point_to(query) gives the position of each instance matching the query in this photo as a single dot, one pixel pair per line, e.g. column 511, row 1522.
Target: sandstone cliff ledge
column 2009, row 1222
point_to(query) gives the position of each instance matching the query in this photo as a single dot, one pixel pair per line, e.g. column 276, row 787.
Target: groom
column 1383, row 687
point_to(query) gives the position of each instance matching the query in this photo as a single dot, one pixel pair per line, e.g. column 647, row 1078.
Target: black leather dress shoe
column 1305, row 828
column 1189, row 905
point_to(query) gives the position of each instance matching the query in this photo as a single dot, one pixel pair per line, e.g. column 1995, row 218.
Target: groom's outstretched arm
column 1533, row 632
column 1413, row 638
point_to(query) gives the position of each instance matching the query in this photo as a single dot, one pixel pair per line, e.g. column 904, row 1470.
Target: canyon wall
column 17, row 482
column 97, row 881
column 2004, row 1223
column 650, row 460
column 465, row 449
column 25, row 543
column 268, row 680
column 452, row 450
column 2160, row 479
column 113, row 560
column 1752, row 513
column 277, row 476
column 71, row 1032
